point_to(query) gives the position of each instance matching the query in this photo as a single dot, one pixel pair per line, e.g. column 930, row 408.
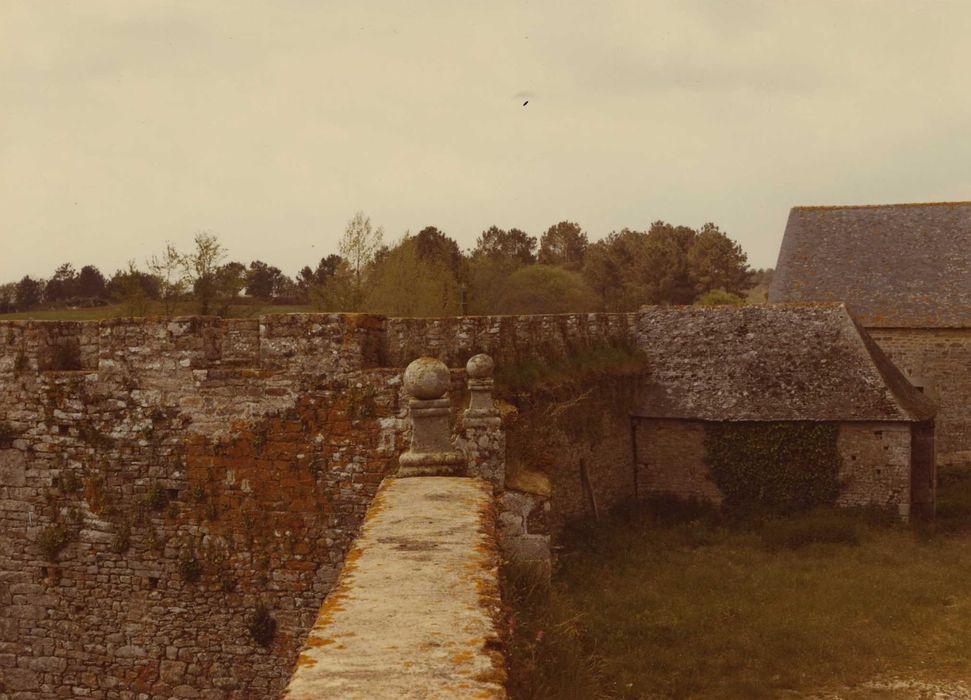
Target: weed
column 7, row 435
column 52, row 540
column 157, row 498
column 189, row 567
column 122, row 539
column 262, row 625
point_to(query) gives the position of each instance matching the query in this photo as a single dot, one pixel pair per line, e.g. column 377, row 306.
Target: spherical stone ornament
column 427, row 378
column 479, row 366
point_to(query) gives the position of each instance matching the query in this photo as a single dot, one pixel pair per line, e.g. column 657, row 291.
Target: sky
column 126, row 125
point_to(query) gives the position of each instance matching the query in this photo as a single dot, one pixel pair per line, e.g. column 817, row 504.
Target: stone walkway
column 413, row 614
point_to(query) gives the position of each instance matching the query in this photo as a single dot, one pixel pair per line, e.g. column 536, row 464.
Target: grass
column 96, row 313
column 657, row 603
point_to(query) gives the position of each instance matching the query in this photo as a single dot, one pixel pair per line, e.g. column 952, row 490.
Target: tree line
column 423, row 274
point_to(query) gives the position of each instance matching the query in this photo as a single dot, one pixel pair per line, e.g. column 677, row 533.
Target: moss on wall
column 774, row 467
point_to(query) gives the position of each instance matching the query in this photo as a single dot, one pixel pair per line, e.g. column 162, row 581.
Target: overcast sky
column 124, row 125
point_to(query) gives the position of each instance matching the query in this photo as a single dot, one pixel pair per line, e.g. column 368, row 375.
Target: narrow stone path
column 413, row 614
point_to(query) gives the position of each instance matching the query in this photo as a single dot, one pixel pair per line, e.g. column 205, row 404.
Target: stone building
column 904, row 272
column 781, row 365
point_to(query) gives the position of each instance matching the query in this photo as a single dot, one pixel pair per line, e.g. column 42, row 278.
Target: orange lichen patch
column 318, row 642
column 304, row 661
column 462, row 657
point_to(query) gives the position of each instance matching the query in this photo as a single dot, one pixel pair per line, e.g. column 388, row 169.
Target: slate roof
column 897, row 265
column 775, row 362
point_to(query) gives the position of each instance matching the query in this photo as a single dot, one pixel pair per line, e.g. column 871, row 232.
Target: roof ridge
column 882, row 206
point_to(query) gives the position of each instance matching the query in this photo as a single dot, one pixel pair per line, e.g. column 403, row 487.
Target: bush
column 262, row 625
column 52, row 540
column 7, row 435
column 815, row 527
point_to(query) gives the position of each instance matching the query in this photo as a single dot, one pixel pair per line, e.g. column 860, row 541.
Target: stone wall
column 938, row 361
column 161, row 478
column 875, row 469
column 876, row 465
column 508, row 339
column 671, row 460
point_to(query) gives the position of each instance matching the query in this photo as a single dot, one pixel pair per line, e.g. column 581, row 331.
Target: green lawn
column 644, row 606
column 116, row 311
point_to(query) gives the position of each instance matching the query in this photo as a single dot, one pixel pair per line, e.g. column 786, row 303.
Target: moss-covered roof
column 898, row 265
column 776, row 362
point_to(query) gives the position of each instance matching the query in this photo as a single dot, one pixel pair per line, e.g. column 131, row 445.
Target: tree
column 358, row 247
column 544, row 289
column 434, row 246
column 8, row 297
column 29, row 293
column 62, row 285
column 200, row 268
column 404, row 284
column 496, row 243
column 125, row 283
column 336, row 290
column 91, row 283
column 563, row 244
column 264, row 281
column 717, row 262
column 228, row 282
column 168, row 269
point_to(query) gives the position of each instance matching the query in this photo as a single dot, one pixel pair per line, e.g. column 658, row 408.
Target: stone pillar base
column 431, row 464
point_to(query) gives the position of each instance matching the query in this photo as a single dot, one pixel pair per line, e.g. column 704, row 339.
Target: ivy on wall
column 774, row 467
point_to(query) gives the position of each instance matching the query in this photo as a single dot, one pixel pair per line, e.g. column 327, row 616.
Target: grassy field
column 680, row 605
column 117, row 311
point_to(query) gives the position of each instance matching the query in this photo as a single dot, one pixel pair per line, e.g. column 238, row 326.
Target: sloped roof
column 777, row 362
column 897, row 265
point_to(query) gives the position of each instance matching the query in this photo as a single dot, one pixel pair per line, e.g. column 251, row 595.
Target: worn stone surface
column 414, row 612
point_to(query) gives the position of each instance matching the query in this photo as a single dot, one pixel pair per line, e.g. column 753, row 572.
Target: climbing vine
column 774, row 467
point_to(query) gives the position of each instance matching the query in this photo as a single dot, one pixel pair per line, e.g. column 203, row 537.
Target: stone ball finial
column 427, row 378
column 479, row 366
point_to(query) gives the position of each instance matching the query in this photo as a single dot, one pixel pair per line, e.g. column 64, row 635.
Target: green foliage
column 617, row 357
column 189, row 567
column 261, row 625
column 544, row 289
column 403, row 283
column 52, row 540
column 563, row 244
column 719, row 297
column 773, row 467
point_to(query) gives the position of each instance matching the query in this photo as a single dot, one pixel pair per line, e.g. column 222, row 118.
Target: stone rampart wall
column 938, row 361
column 159, row 479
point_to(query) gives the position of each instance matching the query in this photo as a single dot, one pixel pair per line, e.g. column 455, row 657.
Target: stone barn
column 904, row 272
column 804, row 376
